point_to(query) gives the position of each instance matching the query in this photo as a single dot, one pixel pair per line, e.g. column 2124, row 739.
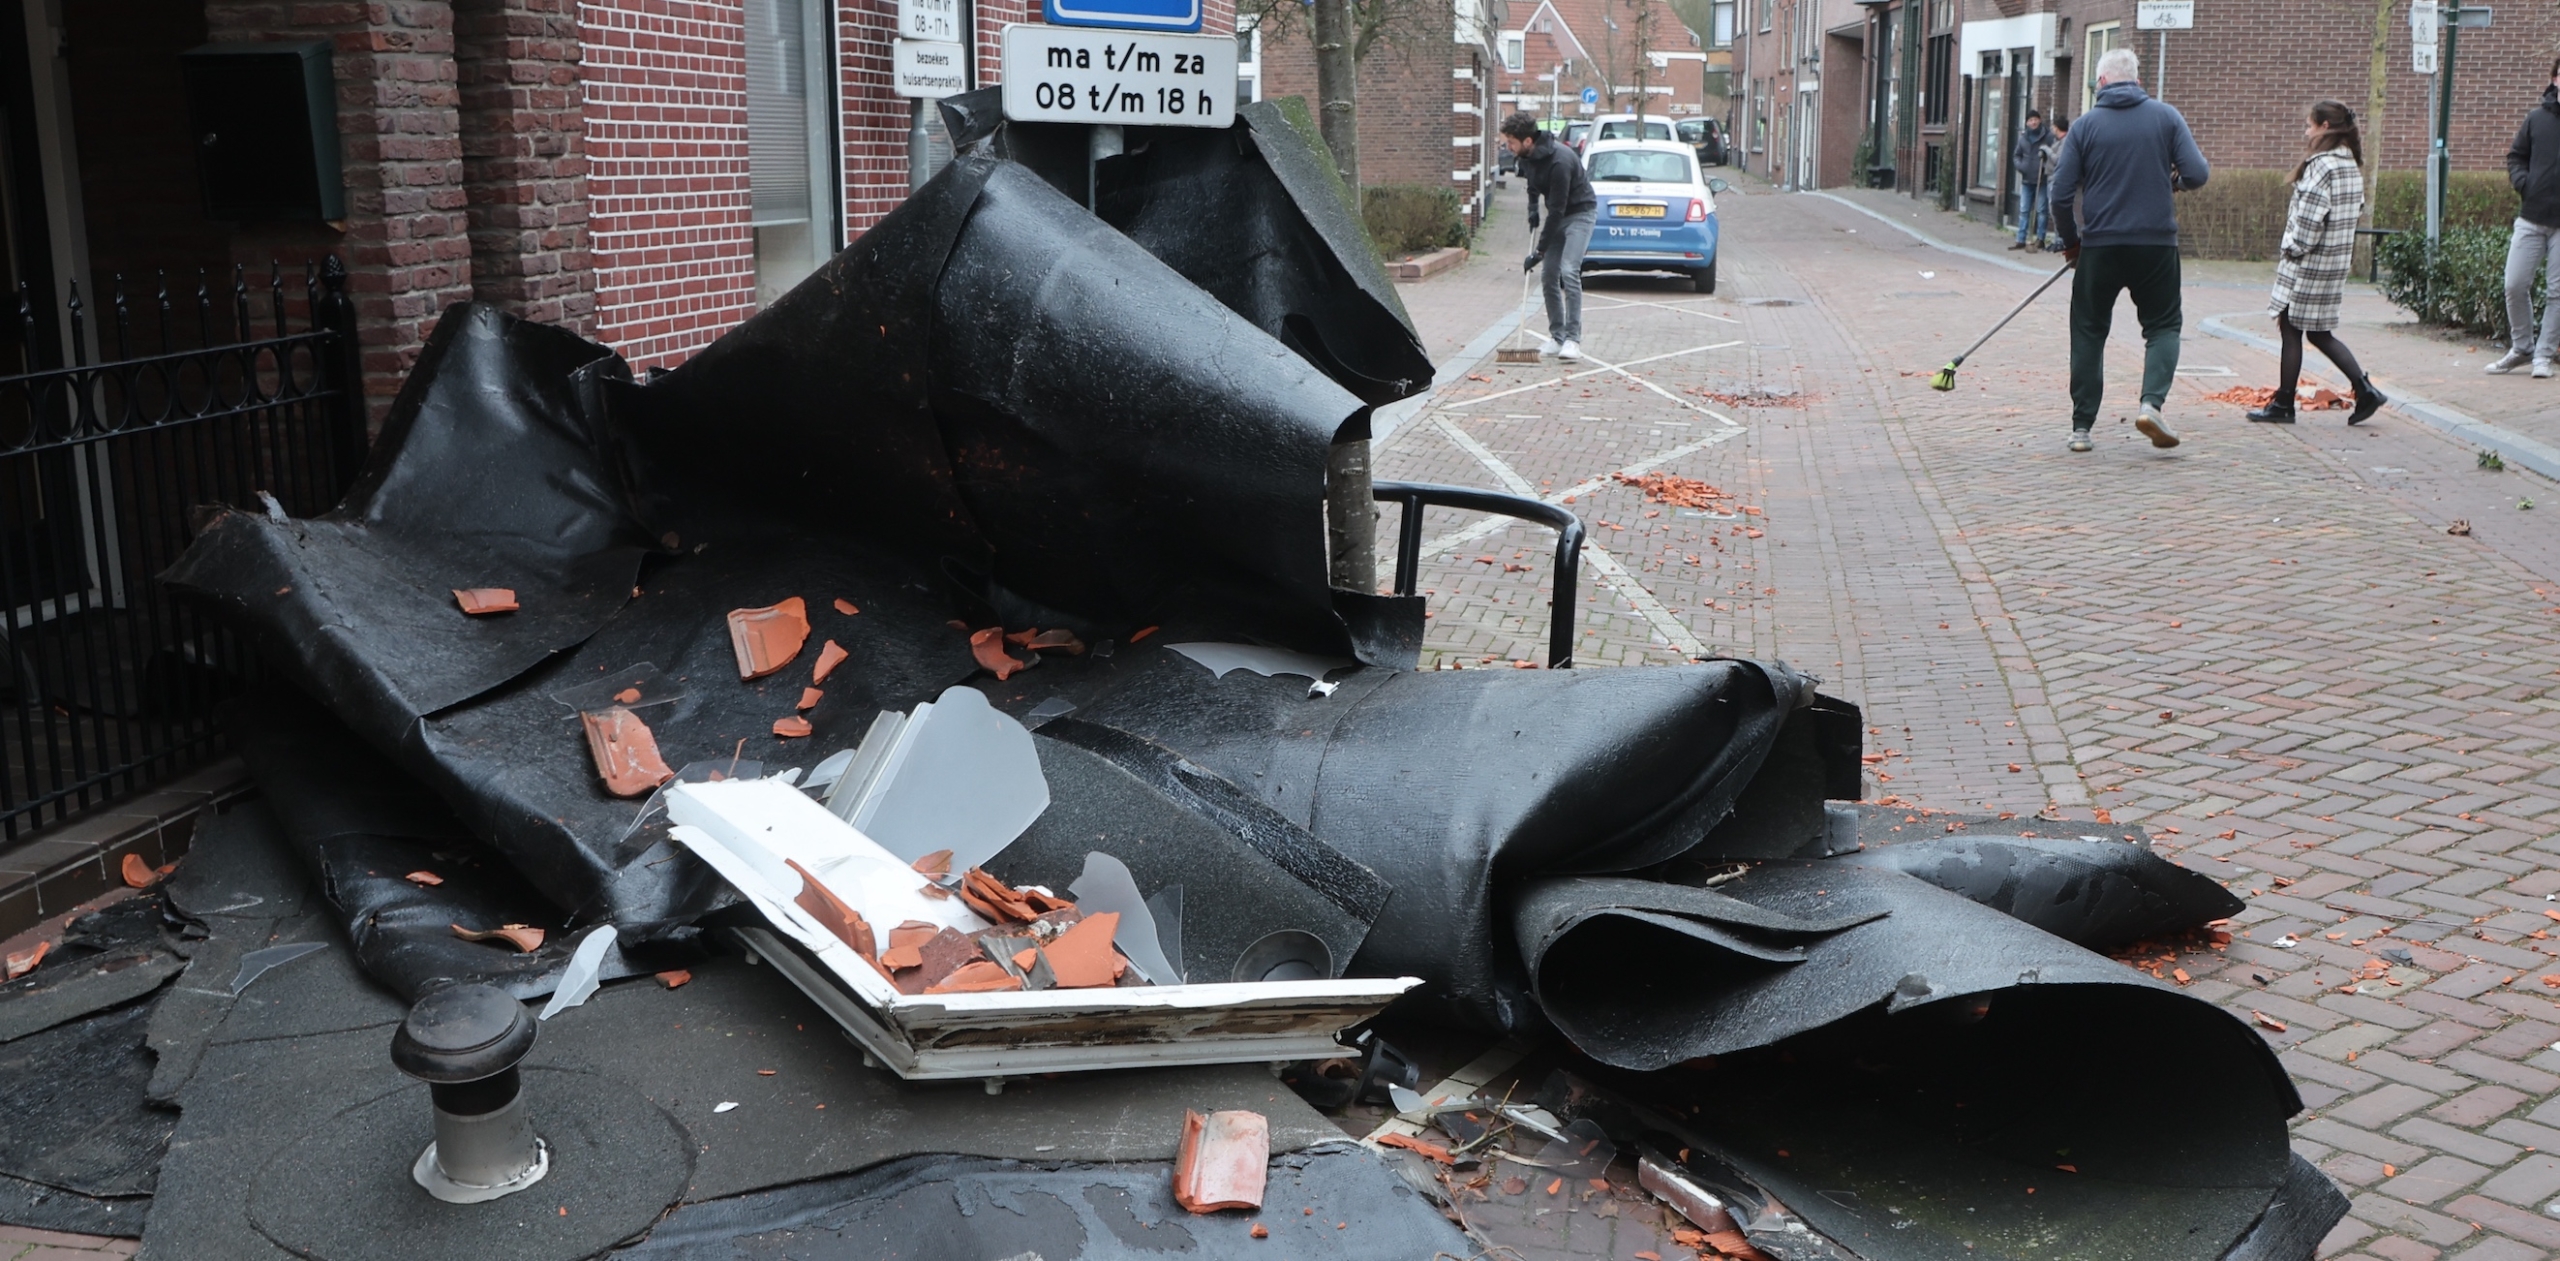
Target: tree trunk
column 1351, row 518
column 1337, row 90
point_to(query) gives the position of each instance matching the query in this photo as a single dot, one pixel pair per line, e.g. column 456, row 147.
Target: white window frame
column 2089, row 65
column 1248, row 57
column 1515, row 51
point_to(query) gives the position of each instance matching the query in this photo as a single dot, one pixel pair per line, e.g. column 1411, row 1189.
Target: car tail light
column 1697, row 211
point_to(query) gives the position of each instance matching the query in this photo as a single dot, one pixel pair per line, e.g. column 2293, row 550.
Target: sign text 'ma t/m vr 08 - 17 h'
column 1137, row 78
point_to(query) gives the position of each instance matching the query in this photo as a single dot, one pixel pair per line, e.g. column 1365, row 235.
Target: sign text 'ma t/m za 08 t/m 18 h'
column 1137, row 78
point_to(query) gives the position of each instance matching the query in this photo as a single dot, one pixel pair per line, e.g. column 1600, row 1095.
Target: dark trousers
column 2150, row 273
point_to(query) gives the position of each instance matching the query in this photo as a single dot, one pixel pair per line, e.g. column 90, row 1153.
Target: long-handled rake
column 1516, row 352
column 1945, row 379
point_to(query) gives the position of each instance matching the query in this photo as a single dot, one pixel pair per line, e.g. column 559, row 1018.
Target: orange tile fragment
column 792, row 728
column 1056, row 641
column 981, row 977
column 1224, row 1159
column 483, row 601
column 845, row 607
column 809, row 697
column 675, row 979
column 137, row 872
column 830, row 655
column 1261, row 1231
column 1555, row 1186
column 626, row 695
column 997, row 900
column 25, row 961
column 1412, row 1144
column 1082, row 956
column 525, row 939
column 766, row 639
column 937, row 863
column 988, row 647
column 2269, row 1021
column 834, row 913
column 625, row 752
column 427, row 878
column 1142, row 632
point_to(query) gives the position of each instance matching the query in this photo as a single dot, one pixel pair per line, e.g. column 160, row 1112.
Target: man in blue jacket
column 2111, row 203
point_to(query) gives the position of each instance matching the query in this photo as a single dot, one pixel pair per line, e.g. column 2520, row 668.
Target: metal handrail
column 1415, row 496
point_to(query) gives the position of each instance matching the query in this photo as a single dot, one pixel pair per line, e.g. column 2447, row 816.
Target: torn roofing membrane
column 998, row 412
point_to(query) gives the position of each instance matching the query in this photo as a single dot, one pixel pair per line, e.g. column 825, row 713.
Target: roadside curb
column 2516, row 448
column 1926, row 239
column 1385, row 421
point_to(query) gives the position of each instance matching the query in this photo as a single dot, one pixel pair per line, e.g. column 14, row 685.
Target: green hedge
column 2240, row 214
column 2466, row 285
column 1407, row 218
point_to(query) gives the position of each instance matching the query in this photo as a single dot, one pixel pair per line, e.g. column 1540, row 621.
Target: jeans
column 2150, row 273
column 2031, row 212
column 2528, row 251
column 1561, row 278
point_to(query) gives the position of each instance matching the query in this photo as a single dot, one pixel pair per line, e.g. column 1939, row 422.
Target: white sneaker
column 2542, row 367
column 1547, row 346
column 1573, row 351
column 2508, row 362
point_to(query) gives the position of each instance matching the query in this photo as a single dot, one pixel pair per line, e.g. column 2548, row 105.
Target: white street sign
column 2164, row 15
column 1063, row 74
column 2422, row 59
column 935, row 20
column 929, row 70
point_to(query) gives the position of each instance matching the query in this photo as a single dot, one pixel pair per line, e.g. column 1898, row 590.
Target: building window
column 1937, row 71
column 1248, row 58
column 2099, row 39
column 1723, row 25
column 1515, row 50
column 1767, row 8
column 1992, row 116
column 791, row 173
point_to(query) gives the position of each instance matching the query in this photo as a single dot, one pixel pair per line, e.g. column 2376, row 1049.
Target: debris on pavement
column 1223, row 1161
column 2309, row 396
column 767, row 639
column 483, row 601
column 525, row 938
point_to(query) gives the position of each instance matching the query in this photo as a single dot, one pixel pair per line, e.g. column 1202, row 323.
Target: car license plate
column 1625, row 211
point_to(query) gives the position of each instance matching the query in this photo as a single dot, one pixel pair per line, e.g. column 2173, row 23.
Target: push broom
column 1516, row 352
column 1945, row 379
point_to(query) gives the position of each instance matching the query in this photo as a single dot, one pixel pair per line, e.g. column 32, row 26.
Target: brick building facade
column 1941, row 105
column 646, row 172
column 1425, row 106
column 1594, row 44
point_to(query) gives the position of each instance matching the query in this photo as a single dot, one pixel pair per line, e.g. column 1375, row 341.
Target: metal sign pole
column 2438, row 168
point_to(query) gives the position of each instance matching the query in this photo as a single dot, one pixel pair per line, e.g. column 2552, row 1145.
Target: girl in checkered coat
column 2311, row 275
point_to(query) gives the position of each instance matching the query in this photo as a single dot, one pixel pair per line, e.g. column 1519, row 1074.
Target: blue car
column 1656, row 211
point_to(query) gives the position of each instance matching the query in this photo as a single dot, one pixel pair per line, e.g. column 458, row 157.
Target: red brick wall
column 666, row 132
column 2245, row 73
column 1404, row 99
column 524, row 158
column 405, row 240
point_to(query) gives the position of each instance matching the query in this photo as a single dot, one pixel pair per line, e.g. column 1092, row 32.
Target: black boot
column 2368, row 401
column 2278, row 411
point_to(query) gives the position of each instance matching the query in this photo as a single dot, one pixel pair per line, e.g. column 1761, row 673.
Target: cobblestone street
column 2263, row 646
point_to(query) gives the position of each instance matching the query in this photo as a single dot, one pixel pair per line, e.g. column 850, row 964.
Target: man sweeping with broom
column 2118, row 168
column 1555, row 177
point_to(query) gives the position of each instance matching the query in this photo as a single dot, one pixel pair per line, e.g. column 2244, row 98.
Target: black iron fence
column 128, row 421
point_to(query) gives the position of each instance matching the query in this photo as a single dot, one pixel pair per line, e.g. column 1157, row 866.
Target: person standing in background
column 2533, row 166
column 2026, row 157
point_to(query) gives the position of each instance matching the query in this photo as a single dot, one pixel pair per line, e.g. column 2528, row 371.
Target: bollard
column 465, row 1041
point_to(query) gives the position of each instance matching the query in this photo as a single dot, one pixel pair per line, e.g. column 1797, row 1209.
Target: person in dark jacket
column 2026, row 157
column 1555, row 177
column 2111, row 203
column 2533, row 166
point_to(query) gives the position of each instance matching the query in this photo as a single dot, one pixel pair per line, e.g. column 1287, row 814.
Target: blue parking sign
column 1135, row 15
column 1591, row 96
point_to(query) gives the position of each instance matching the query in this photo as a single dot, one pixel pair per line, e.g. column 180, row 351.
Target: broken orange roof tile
column 944, row 953
column 25, row 961
column 627, row 695
column 1224, row 1159
column 1412, row 1144
column 914, row 932
column 809, row 698
column 980, row 977
column 988, row 647
column 1022, row 636
column 1082, row 957
column 1142, row 632
column 1045, row 902
column 901, row 958
column 792, row 728
column 137, row 872
column 625, row 752
column 937, row 863
column 1057, row 641
column 525, row 939
column 830, row 655
column 767, row 639
column 845, row 607
column 427, row 878
column 483, row 601
column 675, row 978
column 833, row 913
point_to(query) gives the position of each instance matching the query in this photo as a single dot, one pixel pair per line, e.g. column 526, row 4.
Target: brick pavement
column 2262, row 645
column 21, row 1243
